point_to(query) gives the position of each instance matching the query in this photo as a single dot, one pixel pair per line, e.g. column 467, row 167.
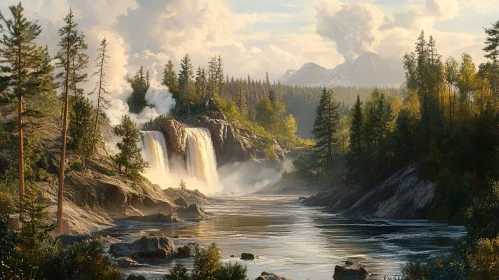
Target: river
column 296, row 241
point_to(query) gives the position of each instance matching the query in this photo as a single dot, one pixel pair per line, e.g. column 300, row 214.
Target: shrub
column 207, row 263
column 135, row 277
column 232, row 271
column 179, row 272
column 84, row 260
column 207, row 266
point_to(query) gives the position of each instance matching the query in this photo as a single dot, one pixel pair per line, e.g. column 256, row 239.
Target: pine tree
column 129, row 160
column 27, row 71
column 100, row 89
column 140, row 86
column 72, row 61
column 241, row 103
column 220, row 76
column 186, row 72
column 201, row 82
column 325, row 127
column 80, row 124
column 492, row 52
column 451, row 77
column 170, row 78
column 212, row 77
column 354, row 157
column 35, row 218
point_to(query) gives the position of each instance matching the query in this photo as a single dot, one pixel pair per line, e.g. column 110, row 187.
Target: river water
column 296, row 241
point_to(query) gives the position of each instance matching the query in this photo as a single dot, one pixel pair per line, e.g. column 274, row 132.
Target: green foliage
column 34, row 218
column 232, row 271
column 140, row 85
column 207, row 263
column 135, row 277
column 9, row 240
column 129, row 160
column 483, row 213
column 84, row 260
column 183, row 186
column 207, row 266
column 325, row 126
column 179, row 272
column 81, row 125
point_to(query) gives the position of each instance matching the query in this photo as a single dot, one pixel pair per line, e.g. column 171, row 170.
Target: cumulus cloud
column 354, row 27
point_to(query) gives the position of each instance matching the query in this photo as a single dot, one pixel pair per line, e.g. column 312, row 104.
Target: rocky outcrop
column 192, row 212
column 190, row 196
column 233, row 143
column 157, row 218
column 230, row 145
column 116, row 194
column 125, row 262
column 148, row 247
column 404, row 195
column 175, row 137
column 181, row 202
column 350, row 270
column 271, row 276
column 153, row 247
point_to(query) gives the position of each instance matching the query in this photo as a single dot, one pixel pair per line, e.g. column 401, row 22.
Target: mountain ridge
column 366, row 70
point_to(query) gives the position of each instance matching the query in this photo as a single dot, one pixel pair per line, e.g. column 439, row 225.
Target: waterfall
column 201, row 160
column 154, row 152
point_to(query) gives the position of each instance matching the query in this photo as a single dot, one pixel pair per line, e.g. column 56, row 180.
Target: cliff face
column 231, row 142
column 404, row 195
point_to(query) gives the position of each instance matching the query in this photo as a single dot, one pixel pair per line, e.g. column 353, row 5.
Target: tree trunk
column 21, row 150
column 63, row 149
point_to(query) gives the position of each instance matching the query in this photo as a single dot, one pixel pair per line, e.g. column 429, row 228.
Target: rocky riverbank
column 404, row 195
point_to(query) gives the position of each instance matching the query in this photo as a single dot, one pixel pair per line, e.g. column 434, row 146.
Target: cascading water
column 154, row 151
column 201, row 160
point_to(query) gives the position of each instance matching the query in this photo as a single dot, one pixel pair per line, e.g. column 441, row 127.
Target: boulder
column 271, row 276
column 125, row 262
column 157, row 218
column 69, row 239
column 148, row 247
column 350, row 270
column 192, row 212
column 188, row 251
column 247, row 256
column 181, row 202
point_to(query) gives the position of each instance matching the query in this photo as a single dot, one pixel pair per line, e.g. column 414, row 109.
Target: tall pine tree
column 100, row 89
column 354, row 157
column 325, row 126
column 26, row 70
column 72, row 61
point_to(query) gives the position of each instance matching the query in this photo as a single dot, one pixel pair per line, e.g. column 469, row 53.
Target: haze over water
column 297, row 241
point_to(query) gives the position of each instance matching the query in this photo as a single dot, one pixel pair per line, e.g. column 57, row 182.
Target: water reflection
column 300, row 242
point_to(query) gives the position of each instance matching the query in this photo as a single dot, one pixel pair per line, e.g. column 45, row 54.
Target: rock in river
column 153, row 247
column 148, row 247
column 271, row 276
column 125, row 262
column 247, row 256
column 350, row 270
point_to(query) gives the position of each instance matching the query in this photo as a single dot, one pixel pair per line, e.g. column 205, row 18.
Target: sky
column 259, row 36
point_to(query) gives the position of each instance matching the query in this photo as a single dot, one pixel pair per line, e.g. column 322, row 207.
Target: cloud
column 354, row 27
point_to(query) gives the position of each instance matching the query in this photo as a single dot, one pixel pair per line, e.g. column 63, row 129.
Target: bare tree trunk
column 21, row 150
column 60, row 197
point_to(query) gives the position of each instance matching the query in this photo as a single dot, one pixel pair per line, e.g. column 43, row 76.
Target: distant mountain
column 367, row 70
